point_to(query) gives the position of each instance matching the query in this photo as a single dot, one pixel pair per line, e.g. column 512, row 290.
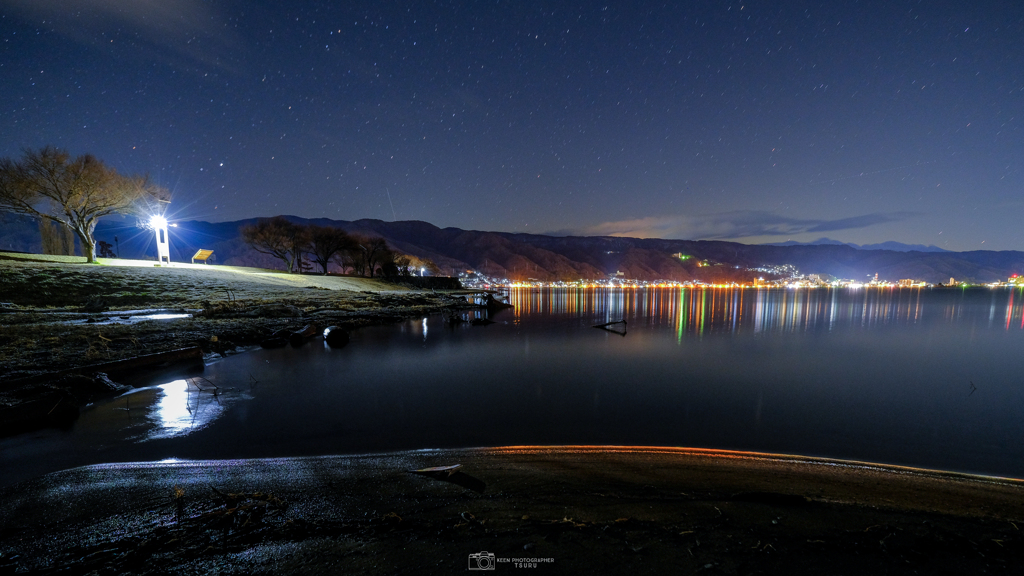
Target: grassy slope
column 42, row 326
column 62, row 281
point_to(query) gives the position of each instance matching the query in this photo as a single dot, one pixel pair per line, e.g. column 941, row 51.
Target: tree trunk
column 89, row 249
column 88, row 243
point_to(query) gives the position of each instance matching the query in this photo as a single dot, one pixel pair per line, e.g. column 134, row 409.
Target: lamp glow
column 163, row 250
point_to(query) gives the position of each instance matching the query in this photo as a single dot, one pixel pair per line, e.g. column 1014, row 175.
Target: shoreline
column 589, row 509
column 58, row 317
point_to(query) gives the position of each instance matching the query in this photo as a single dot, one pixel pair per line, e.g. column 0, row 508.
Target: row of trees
column 365, row 256
column 71, row 193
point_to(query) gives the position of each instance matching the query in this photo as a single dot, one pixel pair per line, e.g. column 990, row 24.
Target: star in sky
column 870, row 121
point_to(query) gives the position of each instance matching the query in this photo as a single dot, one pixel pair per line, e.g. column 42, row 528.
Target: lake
column 919, row 377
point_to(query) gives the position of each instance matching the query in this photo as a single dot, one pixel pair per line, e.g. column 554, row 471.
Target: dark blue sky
column 758, row 122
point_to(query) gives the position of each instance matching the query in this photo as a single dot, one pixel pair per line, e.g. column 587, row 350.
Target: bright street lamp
column 163, row 248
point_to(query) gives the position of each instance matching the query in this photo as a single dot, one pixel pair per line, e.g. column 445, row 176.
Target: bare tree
column 387, row 267
column 76, row 192
column 325, row 242
column 277, row 237
column 355, row 256
column 350, row 258
column 374, row 250
column 394, row 265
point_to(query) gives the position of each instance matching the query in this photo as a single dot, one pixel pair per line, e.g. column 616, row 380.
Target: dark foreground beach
column 560, row 510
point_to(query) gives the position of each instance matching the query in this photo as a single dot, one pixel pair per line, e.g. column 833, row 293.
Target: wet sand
column 565, row 510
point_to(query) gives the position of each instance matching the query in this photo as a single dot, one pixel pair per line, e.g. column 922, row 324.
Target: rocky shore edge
column 83, row 356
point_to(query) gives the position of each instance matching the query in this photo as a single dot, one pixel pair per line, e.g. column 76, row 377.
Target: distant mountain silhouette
column 525, row 256
column 894, row 246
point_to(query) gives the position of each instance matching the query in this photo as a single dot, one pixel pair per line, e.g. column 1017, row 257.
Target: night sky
column 758, row 122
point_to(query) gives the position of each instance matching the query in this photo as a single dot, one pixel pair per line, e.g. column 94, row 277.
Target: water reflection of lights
column 182, row 409
column 162, row 317
column 128, row 318
column 1014, row 309
column 700, row 311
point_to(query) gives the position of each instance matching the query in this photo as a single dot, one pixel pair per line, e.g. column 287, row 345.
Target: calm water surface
column 919, row 377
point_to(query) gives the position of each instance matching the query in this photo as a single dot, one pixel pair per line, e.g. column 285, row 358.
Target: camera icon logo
column 481, row 561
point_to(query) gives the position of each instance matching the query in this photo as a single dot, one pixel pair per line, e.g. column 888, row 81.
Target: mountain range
column 540, row 257
column 894, row 246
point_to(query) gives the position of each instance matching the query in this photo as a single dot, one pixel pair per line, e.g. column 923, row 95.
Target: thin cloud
column 168, row 29
column 733, row 225
column 860, row 221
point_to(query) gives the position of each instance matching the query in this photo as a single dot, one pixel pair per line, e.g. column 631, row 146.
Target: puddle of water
column 130, row 319
column 182, row 407
column 173, row 409
column 136, row 425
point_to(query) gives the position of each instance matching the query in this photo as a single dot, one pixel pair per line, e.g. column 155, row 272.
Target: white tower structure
column 163, row 248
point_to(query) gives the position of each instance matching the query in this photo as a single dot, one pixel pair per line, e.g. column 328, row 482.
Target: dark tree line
column 291, row 243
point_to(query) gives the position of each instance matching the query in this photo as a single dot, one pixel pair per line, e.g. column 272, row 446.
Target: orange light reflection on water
column 703, row 310
column 1014, row 308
